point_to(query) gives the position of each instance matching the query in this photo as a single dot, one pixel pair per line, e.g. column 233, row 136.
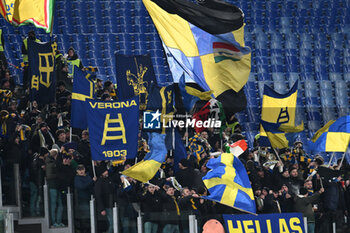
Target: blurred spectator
column 73, row 62
column 303, row 204
column 42, row 138
column 83, row 190
column 152, row 207
column 171, row 211
column 105, row 194
column 36, row 177
column 56, row 205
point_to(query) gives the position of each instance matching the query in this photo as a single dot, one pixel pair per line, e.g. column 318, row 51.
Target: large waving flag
column 148, row 167
column 228, row 183
column 278, row 109
column 281, row 136
column 333, row 137
column 83, row 90
column 22, row 12
column 135, row 75
column 207, row 43
column 41, row 57
column 113, row 128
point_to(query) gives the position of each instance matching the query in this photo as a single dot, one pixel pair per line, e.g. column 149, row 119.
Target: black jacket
column 151, row 206
column 105, row 192
column 65, row 177
column 170, row 207
column 190, row 178
column 36, row 172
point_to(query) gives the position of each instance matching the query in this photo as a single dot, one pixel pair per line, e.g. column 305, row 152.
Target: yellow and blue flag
column 22, row 12
column 148, row 167
column 83, row 90
column 281, row 136
column 135, row 75
column 113, row 128
column 333, row 137
column 228, row 183
column 207, row 43
column 278, row 109
column 191, row 95
column 196, row 147
column 41, row 57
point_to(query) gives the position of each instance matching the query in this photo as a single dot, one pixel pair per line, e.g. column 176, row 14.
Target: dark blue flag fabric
column 179, row 151
column 134, row 76
column 83, row 90
column 113, row 128
column 41, row 59
column 159, row 112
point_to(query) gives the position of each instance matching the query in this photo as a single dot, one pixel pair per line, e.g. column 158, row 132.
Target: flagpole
column 93, row 168
column 341, row 162
column 70, row 134
column 186, row 132
column 279, row 159
column 330, row 160
column 173, row 138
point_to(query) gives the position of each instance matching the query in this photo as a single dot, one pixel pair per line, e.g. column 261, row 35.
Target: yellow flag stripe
column 174, row 30
column 231, row 190
column 337, row 141
column 143, row 171
column 322, row 130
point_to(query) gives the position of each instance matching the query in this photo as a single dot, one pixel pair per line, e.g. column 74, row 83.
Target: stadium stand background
column 301, row 40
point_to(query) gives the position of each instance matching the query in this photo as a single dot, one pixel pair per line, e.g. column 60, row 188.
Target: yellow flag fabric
column 333, row 137
column 146, row 169
column 278, row 114
column 21, row 12
column 216, row 62
column 322, row 130
column 228, row 183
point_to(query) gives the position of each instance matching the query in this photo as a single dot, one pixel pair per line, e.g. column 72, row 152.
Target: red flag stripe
column 242, row 144
column 217, row 45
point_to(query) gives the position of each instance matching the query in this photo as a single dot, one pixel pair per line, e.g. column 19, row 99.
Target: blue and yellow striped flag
column 207, row 43
column 228, row 183
column 146, row 169
column 83, row 90
column 281, row 136
column 333, row 137
column 278, row 114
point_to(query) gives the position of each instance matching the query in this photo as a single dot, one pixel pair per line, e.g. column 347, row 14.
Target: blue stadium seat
column 314, row 125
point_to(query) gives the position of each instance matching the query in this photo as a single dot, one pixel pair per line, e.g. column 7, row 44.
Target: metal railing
column 15, row 213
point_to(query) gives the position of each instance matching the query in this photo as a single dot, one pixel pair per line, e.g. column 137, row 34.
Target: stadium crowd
column 38, row 138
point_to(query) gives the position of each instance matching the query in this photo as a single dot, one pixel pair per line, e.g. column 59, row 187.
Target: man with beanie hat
column 42, row 138
column 61, row 139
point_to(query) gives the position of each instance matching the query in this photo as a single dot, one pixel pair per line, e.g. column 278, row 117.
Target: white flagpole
column 70, row 134
column 186, row 132
column 93, row 168
column 342, row 159
column 330, row 160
